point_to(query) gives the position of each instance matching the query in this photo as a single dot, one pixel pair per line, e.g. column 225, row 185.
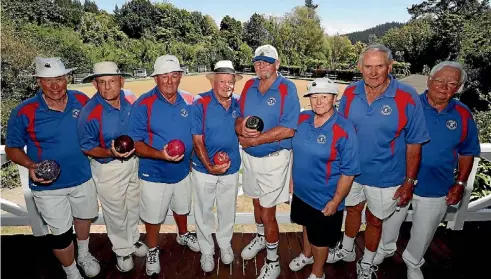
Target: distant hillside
column 378, row 30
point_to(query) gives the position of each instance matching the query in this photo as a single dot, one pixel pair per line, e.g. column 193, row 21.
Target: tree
column 310, row 4
column 255, row 32
column 136, row 17
column 231, row 31
column 91, row 7
column 437, row 8
column 342, row 52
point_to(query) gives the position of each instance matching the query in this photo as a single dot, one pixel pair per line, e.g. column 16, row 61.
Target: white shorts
column 267, row 178
column 58, row 207
column 379, row 200
column 156, row 198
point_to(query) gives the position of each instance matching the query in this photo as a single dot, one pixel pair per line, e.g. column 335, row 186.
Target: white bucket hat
column 106, row 68
column 224, row 67
column 166, row 64
column 266, row 53
column 322, row 86
column 50, row 67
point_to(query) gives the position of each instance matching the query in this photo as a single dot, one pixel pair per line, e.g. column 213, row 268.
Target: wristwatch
column 412, row 181
column 462, row 183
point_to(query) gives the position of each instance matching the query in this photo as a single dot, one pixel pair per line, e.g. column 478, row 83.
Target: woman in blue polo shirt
column 325, row 161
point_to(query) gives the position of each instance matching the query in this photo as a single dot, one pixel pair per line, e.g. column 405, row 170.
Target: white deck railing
column 456, row 216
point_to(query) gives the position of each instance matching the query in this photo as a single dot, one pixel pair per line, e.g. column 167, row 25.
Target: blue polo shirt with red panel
column 155, row 121
column 217, row 125
column 453, row 132
column 279, row 106
column 51, row 135
column 100, row 123
column 320, row 156
column 394, row 119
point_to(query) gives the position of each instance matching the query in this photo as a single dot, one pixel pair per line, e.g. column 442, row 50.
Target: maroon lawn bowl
column 48, row 170
column 221, row 158
column 175, row 147
column 124, row 144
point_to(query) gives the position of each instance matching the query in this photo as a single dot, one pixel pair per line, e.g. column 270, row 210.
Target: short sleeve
column 137, row 124
column 291, row 109
column 470, row 145
column 16, row 130
column 197, row 117
column 350, row 163
column 415, row 130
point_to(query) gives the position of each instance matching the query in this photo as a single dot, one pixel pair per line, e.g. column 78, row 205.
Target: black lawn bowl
column 255, row 123
column 48, row 170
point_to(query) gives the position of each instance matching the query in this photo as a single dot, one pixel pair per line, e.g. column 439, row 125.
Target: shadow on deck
column 452, row 254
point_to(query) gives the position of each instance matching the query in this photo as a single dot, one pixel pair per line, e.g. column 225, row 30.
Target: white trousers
column 427, row 215
column 119, row 193
column 207, row 190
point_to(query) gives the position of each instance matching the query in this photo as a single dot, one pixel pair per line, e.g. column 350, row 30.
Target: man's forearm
column 99, row 152
column 413, row 160
column 343, row 188
column 144, row 150
column 238, row 126
column 276, row 134
column 18, row 156
column 200, row 149
column 465, row 167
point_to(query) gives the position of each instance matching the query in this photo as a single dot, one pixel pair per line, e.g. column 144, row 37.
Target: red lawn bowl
column 124, row 144
column 175, row 147
column 221, row 158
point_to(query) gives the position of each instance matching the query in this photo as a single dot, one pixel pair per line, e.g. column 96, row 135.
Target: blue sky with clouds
column 337, row 16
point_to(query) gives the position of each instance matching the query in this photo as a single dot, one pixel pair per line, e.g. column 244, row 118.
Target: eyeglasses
column 449, row 84
column 261, row 64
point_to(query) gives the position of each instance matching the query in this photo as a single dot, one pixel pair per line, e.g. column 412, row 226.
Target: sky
column 337, row 16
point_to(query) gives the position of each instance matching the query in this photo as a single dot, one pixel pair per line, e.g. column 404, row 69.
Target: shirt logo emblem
column 75, row 113
column 321, row 139
column 271, row 101
column 234, row 114
column 386, row 110
column 184, row 113
column 451, row 124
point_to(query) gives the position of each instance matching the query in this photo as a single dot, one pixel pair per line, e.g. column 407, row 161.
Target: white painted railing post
column 458, row 222
column 39, row 227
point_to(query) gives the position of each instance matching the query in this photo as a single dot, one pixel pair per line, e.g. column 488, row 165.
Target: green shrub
column 9, row 176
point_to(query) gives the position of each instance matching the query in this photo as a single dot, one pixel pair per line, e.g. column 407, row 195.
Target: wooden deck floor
column 452, row 254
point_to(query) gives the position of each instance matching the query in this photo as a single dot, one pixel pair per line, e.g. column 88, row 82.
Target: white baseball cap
column 322, row 86
column 266, row 53
column 224, row 67
column 166, row 64
column 106, row 68
column 50, row 67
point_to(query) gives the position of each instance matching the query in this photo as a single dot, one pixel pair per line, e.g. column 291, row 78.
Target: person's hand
column 219, row 169
column 32, row 173
column 247, row 142
column 455, row 194
column 404, row 193
column 330, row 208
column 170, row 158
column 121, row 155
column 249, row 133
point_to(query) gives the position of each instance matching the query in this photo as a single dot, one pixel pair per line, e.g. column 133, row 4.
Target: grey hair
column 376, row 47
column 453, row 64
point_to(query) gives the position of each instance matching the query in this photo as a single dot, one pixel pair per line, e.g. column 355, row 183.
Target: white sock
column 71, row 270
column 348, row 243
column 260, row 229
column 368, row 257
column 272, row 251
column 83, row 247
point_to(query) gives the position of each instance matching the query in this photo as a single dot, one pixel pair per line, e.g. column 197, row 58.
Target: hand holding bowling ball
column 174, row 150
column 221, row 158
column 46, row 171
column 221, row 163
column 124, row 146
column 255, row 123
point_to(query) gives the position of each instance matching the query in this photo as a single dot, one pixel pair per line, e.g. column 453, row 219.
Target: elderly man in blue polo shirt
column 47, row 125
column 267, row 154
column 157, row 117
column 103, row 119
column 454, row 144
column 390, row 125
column 213, row 129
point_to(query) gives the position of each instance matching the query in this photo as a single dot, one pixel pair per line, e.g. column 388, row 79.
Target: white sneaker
column 380, row 256
column 312, row 276
column 270, row 270
column 153, row 261
column 414, row 273
column 207, row 262
column 140, row 249
column 227, row 255
column 89, row 264
column 336, row 254
column 190, row 240
column 124, row 264
column 74, row 276
column 366, row 271
column 300, row 262
column 257, row 244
